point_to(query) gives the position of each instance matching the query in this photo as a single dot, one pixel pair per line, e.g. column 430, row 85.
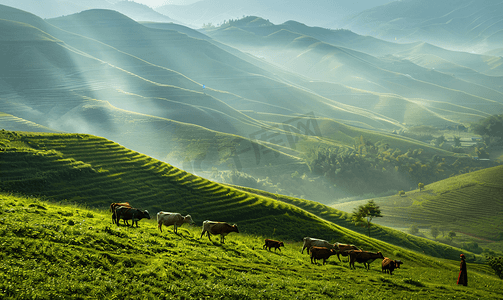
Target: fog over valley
column 289, row 110
column 280, row 94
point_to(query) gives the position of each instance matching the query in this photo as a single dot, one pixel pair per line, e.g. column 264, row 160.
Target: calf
column 221, row 228
column 310, row 242
column 127, row 213
column 388, row 265
column 321, row 253
column 273, row 244
column 168, row 219
column 363, row 257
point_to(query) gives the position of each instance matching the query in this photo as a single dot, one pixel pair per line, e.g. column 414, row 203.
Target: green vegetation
column 363, row 215
column 89, row 170
column 496, row 264
column 378, row 167
column 434, row 231
column 468, row 204
column 491, row 129
column 75, row 252
column 382, row 233
column 52, row 251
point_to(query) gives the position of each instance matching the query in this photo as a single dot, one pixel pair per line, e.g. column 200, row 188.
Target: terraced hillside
column 470, row 204
column 93, row 171
column 391, row 87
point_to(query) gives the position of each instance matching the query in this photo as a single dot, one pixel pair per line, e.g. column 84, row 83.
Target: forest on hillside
column 377, row 167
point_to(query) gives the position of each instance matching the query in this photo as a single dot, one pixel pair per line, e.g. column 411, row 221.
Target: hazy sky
column 154, row 3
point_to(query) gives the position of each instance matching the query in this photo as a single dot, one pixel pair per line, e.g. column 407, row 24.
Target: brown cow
column 114, row 206
column 221, row 228
column 127, row 213
column 363, row 257
column 321, row 253
column 273, row 244
column 343, row 249
column 388, row 265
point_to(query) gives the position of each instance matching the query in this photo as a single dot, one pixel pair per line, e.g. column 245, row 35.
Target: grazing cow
column 310, row 242
column 128, row 213
column 363, row 257
column 343, row 249
column 169, row 218
column 388, row 265
column 221, row 228
column 321, row 253
column 273, row 244
column 114, row 205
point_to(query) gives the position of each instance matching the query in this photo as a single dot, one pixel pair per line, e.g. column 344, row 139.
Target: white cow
column 169, row 218
column 310, row 242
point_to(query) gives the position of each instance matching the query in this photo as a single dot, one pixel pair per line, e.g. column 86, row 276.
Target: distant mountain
column 250, row 98
column 314, row 13
column 177, row 27
column 140, row 12
column 455, row 24
column 394, row 77
column 55, row 8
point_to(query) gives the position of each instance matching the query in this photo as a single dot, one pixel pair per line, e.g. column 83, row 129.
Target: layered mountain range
column 249, row 95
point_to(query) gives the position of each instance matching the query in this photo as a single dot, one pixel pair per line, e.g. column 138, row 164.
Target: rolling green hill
column 73, row 252
column 207, row 107
column 469, row 204
column 75, row 168
column 83, row 169
column 69, row 180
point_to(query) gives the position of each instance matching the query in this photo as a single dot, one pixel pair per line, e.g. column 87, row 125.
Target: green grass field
column 469, row 204
column 62, row 251
column 54, row 222
column 93, row 171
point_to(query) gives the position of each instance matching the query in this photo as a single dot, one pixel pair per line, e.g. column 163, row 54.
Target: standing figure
column 463, row 276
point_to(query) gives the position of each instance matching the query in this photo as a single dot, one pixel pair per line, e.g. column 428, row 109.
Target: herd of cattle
column 317, row 248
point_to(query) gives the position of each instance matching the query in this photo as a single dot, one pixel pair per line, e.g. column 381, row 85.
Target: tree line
column 377, row 167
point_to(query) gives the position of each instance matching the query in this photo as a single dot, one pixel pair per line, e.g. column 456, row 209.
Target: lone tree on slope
column 363, row 214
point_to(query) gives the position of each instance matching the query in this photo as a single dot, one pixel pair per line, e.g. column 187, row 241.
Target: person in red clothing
column 463, row 276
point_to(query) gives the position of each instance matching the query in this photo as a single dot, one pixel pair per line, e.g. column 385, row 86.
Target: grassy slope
column 382, row 233
column 73, row 252
column 94, row 171
column 470, row 204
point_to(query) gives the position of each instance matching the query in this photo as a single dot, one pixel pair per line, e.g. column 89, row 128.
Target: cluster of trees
column 376, row 167
column 491, row 130
column 496, row 263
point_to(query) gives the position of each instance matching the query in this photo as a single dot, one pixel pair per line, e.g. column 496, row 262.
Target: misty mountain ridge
column 468, row 25
column 315, row 13
column 257, row 107
column 57, row 8
column 328, row 61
